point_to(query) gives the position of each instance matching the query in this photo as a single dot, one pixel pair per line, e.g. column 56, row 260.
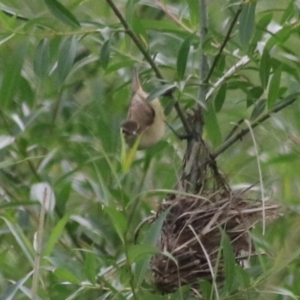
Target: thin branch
column 242, row 62
column 228, row 143
column 198, row 124
column 260, row 178
column 38, row 250
column 174, row 18
column 234, row 129
column 149, row 59
column 203, row 58
column 225, row 41
column 134, row 38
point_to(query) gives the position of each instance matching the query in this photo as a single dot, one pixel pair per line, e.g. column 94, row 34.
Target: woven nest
column 193, row 230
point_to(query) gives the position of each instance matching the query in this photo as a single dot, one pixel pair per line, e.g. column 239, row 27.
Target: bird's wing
column 141, row 112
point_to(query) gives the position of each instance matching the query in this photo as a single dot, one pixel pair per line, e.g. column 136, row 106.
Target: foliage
column 64, row 90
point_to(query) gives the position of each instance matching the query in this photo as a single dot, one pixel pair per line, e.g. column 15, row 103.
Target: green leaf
column 183, row 56
column 229, row 262
column 90, row 267
column 258, row 109
column 66, row 57
column 206, row 289
column 62, row 13
column 163, row 25
column 242, row 276
column 129, row 12
column 137, row 252
column 7, row 17
column 150, row 239
column 104, row 54
column 41, row 61
column 220, row 97
column 7, row 163
column 21, row 239
column 212, row 125
column 118, row 220
column 274, row 87
column 56, row 233
column 12, row 289
column 162, row 90
column 246, row 22
column 194, row 12
column 288, row 13
column 66, row 275
column 253, row 95
column 265, row 67
column 12, row 75
column 127, row 157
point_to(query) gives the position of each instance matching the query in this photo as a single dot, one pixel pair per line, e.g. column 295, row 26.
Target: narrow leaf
column 220, row 97
column 127, row 157
column 66, row 275
column 150, row 239
column 137, row 252
column 265, row 67
column 274, row 87
column 194, row 12
column 246, row 22
column 160, row 91
column 90, row 267
column 66, row 58
column 62, row 13
column 104, row 54
column 212, row 125
column 206, row 289
column 288, row 13
column 10, row 292
column 12, row 75
column 183, row 57
column 56, row 234
column 229, row 263
column 21, row 239
column 258, row 109
column 118, row 220
column 41, row 63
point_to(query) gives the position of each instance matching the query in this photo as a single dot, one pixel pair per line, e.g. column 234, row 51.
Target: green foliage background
column 64, row 90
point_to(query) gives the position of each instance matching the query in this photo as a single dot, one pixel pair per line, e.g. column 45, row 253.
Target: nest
column 193, row 229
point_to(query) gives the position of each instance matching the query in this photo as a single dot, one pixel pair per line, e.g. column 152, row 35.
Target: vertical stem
column 38, row 251
column 195, row 173
column 203, row 58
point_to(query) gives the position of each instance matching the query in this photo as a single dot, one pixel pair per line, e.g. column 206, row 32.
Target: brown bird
column 144, row 118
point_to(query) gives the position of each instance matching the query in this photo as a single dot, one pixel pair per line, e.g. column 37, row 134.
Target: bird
column 144, row 119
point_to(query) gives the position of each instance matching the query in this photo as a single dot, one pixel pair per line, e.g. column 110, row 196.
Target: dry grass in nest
column 192, row 234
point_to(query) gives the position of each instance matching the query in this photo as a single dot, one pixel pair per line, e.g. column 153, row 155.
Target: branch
column 229, row 142
column 134, row 38
column 225, row 41
column 194, row 141
column 175, row 19
column 242, row 62
column 149, row 59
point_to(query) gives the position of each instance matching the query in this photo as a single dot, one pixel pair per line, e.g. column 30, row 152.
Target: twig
column 242, row 62
column 284, row 103
column 38, row 251
column 134, row 38
column 175, row 19
column 225, row 41
column 260, row 178
column 203, row 56
column 198, row 115
column 234, row 129
column 149, row 59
